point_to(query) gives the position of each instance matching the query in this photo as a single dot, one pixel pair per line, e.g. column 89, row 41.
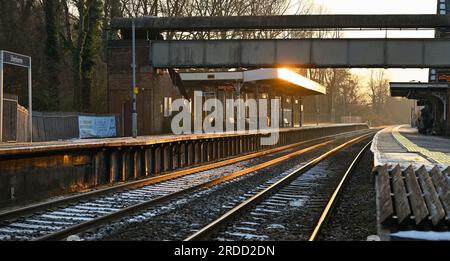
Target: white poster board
column 97, row 127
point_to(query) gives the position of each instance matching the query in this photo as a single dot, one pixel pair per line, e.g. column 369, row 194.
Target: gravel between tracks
column 296, row 221
column 180, row 218
column 354, row 217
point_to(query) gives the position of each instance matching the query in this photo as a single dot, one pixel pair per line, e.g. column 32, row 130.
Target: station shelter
column 283, row 84
column 434, row 95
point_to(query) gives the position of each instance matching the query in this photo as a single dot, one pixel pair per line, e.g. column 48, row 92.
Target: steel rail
column 81, row 227
column 336, row 194
column 222, row 221
column 31, row 209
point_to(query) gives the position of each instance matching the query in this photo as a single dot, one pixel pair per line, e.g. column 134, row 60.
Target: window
column 167, row 106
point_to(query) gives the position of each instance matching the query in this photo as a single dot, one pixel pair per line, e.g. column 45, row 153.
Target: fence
column 351, row 119
column 22, row 124
column 52, row 126
column 15, row 120
column 47, row 126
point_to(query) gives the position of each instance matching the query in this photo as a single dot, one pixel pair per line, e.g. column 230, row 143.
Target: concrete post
column 172, row 157
column 165, row 158
column 114, row 167
column 282, row 112
column 123, row 174
column 292, row 111
column 202, row 152
column 148, row 161
column 189, row 154
column 177, row 156
column 1, row 96
column 220, row 149
column 136, row 164
column 197, row 153
column 182, row 154
column 233, row 146
column 98, row 168
column 157, row 160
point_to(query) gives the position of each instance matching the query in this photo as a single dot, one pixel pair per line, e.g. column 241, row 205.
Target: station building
column 436, row 93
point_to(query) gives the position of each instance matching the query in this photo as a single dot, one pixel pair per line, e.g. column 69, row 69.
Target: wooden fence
column 50, row 126
column 15, row 123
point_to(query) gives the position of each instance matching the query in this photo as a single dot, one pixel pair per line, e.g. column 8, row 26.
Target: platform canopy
column 416, row 90
column 279, row 78
column 424, row 93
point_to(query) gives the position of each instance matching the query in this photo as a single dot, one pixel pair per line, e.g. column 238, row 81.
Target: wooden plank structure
column 401, row 199
column 443, row 189
column 409, row 199
column 434, row 205
column 418, row 206
column 384, row 201
column 447, row 173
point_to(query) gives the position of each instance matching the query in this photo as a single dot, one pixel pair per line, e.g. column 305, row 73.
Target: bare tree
column 378, row 86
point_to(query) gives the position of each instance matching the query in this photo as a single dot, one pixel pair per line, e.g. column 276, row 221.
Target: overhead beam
column 200, row 23
column 311, row 53
column 418, row 86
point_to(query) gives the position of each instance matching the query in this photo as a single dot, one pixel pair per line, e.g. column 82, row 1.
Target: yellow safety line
column 439, row 157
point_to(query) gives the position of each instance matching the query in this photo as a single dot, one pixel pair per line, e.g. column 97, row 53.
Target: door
column 127, row 119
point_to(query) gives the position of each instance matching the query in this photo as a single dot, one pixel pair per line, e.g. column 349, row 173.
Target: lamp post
column 135, row 89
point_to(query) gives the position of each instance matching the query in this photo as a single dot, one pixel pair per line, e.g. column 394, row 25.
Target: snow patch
column 423, row 235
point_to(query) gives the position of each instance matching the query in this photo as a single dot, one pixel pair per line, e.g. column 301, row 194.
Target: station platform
column 37, row 147
column 404, row 146
column 49, row 169
column 412, row 181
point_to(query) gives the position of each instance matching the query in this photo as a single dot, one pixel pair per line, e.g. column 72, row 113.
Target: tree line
column 67, row 41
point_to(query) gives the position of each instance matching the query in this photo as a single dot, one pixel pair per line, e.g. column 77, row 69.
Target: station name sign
column 15, row 59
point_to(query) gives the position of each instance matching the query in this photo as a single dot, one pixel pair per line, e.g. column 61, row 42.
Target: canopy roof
column 277, row 77
column 416, row 90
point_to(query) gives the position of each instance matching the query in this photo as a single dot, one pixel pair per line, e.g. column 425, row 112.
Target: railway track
column 57, row 220
column 260, row 216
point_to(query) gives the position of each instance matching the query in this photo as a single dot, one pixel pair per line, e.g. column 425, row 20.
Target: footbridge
column 317, row 53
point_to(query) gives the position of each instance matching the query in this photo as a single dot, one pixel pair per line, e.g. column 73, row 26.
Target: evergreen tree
column 52, row 54
column 88, row 51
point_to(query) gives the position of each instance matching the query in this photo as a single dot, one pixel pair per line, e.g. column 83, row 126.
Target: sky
column 386, row 7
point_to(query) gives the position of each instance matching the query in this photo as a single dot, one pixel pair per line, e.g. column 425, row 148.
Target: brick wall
column 152, row 88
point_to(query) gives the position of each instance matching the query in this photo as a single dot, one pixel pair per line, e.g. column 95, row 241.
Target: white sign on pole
column 97, row 127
